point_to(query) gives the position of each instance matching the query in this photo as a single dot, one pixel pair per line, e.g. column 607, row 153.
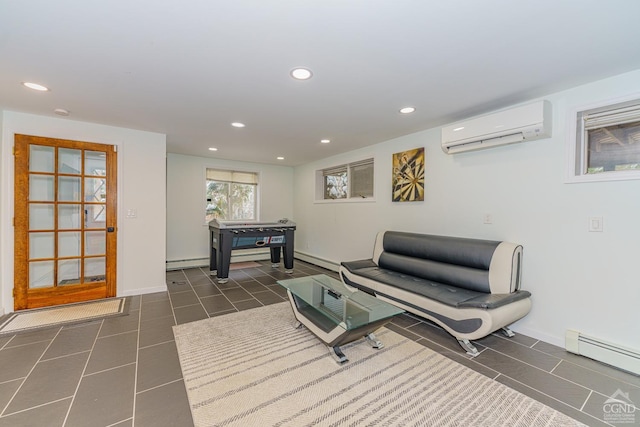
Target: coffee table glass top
column 346, row 308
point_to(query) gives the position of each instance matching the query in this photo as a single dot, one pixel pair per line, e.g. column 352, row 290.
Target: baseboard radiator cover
column 316, row 260
column 594, row 348
column 247, row 255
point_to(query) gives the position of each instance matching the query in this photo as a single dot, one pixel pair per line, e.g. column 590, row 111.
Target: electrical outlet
column 596, row 224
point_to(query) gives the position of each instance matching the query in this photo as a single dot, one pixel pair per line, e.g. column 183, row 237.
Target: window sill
column 350, row 200
column 603, row 177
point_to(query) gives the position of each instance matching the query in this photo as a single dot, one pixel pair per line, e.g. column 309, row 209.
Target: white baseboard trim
column 321, row 262
column 549, row 339
column 142, row 291
column 187, row 263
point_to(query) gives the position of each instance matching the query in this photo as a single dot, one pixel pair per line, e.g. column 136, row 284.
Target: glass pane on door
column 68, row 272
column 95, row 242
column 94, row 269
column 41, row 245
column 40, row 274
column 69, row 216
column 41, row 188
column 69, row 161
column 95, row 216
column 41, row 158
column 41, row 216
column 69, row 244
column 95, row 189
column 95, row 163
column 69, row 189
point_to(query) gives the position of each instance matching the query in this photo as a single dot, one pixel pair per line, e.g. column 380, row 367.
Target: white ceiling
column 189, row 68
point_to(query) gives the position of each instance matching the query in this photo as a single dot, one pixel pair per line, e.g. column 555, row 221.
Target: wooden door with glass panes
column 65, row 221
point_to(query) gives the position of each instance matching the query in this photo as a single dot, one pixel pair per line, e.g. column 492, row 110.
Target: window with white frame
column 231, row 195
column 348, row 181
column 608, row 142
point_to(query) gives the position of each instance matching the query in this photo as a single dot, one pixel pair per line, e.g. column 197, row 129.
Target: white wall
column 187, row 232
column 141, row 186
column 579, row 279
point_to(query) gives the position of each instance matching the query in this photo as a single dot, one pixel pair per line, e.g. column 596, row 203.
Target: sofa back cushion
column 450, row 274
column 472, row 253
column 461, row 262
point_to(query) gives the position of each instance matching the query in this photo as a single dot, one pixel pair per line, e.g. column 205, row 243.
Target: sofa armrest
column 353, row 266
column 490, row 301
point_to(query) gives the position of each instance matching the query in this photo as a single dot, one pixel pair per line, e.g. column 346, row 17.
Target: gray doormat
column 30, row 320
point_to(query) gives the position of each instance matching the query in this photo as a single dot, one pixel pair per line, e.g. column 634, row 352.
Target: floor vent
column 603, row 351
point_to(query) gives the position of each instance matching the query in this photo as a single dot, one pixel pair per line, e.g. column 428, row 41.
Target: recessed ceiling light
column 61, row 112
column 280, row 158
column 457, row 129
column 213, row 149
column 35, row 86
column 301, row 73
column 237, row 125
column 325, row 141
column 407, row 110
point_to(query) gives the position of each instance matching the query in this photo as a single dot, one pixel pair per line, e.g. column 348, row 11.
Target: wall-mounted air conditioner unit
column 516, row 124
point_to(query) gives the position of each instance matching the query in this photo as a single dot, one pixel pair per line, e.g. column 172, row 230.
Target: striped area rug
column 253, row 368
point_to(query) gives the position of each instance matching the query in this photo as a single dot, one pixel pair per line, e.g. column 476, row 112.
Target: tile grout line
column 550, row 397
column 527, row 385
column 557, row 364
column 520, row 382
column 181, row 379
column 84, row 369
column 109, row 369
column 563, row 359
column 121, row 421
column 197, row 296
column 534, row 367
column 64, row 355
column 227, row 298
column 124, row 332
column 586, row 400
column 135, row 373
column 10, row 381
column 156, row 344
column 29, row 373
column 36, row 406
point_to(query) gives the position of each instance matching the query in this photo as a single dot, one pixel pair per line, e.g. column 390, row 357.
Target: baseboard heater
column 248, row 255
column 603, row 351
column 316, row 260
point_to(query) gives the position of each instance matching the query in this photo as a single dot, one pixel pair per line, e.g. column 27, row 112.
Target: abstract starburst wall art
column 408, row 176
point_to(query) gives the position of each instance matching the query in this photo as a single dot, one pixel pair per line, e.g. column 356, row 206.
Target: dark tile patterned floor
column 124, row 371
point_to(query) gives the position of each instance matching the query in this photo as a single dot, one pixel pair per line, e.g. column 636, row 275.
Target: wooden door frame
column 32, row 298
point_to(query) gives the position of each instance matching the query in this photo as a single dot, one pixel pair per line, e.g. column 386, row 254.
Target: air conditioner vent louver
column 517, row 124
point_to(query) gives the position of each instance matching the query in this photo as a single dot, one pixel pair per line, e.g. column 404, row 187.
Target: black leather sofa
column 470, row 287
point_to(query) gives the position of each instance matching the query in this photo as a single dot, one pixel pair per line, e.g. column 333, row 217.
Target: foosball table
column 225, row 236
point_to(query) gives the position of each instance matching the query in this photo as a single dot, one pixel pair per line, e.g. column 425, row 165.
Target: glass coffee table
column 335, row 314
